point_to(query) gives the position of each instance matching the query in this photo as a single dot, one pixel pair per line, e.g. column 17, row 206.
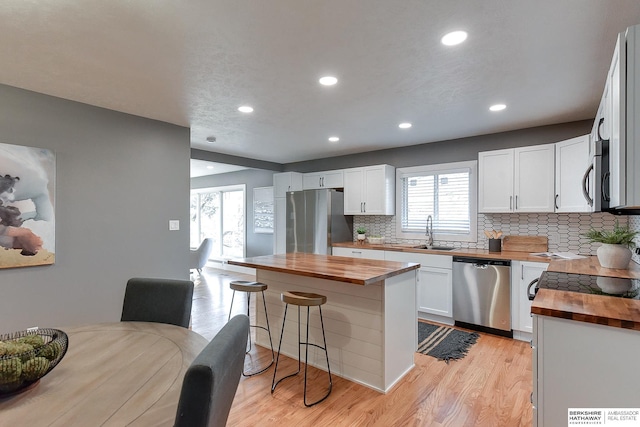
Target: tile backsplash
column 565, row 231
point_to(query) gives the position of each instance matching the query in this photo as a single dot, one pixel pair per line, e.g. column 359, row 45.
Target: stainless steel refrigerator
column 316, row 220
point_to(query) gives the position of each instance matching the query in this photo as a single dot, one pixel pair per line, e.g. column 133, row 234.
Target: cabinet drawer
column 425, row 260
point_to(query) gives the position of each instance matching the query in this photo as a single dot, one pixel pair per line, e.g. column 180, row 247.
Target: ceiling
column 194, row 63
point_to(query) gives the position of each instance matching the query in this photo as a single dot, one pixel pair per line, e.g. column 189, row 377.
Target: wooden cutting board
column 525, row 243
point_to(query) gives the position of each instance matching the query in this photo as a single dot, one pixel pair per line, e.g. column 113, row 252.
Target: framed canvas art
column 263, row 215
column 27, row 206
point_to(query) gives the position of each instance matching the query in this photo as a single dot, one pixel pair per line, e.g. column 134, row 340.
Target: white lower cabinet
column 522, row 274
column 358, row 253
column 582, row 365
column 434, row 295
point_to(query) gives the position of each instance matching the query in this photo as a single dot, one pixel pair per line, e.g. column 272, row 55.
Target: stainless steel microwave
column 596, row 183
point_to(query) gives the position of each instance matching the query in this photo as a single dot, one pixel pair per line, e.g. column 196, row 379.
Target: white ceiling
column 193, row 63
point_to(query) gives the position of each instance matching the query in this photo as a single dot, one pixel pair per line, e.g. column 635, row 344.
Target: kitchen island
column 369, row 318
column 585, row 343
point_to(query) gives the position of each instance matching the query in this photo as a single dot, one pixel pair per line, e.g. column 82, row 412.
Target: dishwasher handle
column 482, row 261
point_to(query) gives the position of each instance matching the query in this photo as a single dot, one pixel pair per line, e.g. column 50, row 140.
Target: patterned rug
column 443, row 342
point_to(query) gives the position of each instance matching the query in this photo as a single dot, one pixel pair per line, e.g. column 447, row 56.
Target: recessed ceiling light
column 405, row 125
column 211, row 139
column 497, row 107
column 328, row 80
column 245, row 109
column 334, row 139
column 209, row 167
column 454, row 38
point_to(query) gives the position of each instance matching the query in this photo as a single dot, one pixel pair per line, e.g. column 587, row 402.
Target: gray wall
column 119, row 180
column 448, row 151
column 256, row 244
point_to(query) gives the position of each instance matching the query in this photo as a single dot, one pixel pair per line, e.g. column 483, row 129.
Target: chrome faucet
column 429, row 232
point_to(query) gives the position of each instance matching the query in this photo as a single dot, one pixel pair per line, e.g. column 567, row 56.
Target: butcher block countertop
column 342, row 269
column 590, row 308
column 477, row 253
column 592, row 267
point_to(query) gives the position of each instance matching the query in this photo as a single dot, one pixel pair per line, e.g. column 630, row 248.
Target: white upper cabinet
column 327, row 179
column 517, row 179
column 369, row 190
column 286, row 181
column 495, row 181
column 572, row 159
column 534, row 178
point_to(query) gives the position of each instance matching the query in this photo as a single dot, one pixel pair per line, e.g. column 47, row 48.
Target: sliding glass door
column 219, row 213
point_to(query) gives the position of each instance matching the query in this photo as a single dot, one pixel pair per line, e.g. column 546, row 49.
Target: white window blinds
column 445, row 195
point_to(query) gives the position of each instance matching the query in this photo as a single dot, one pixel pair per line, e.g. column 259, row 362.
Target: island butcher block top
column 591, row 308
column 357, row 271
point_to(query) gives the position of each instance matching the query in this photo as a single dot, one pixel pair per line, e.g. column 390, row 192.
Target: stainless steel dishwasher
column 482, row 294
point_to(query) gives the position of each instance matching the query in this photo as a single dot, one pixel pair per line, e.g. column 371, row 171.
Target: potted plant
column 361, row 233
column 615, row 251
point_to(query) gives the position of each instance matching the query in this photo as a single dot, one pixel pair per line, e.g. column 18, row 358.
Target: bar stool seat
column 253, row 287
column 246, row 286
column 303, row 299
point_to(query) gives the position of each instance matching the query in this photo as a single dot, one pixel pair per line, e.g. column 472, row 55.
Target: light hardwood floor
column 491, row 386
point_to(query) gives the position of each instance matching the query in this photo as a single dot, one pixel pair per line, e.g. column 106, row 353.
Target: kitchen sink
column 434, row 248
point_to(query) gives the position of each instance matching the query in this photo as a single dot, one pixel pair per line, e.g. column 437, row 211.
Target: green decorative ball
column 34, row 368
column 10, row 371
column 51, row 351
column 33, row 340
column 23, row 350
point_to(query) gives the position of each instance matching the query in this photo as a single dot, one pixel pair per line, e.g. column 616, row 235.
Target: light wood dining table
column 114, row 374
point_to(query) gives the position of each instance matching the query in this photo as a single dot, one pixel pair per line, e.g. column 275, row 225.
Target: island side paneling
column 357, row 321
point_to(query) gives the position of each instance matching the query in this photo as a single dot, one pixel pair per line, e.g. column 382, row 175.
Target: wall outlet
column 174, row 225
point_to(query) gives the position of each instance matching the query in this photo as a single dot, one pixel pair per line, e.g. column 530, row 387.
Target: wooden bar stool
column 249, row 288
column 303, row 299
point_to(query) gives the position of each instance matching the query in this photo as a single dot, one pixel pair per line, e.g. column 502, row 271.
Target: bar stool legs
column 308, row 300
column 249, row 288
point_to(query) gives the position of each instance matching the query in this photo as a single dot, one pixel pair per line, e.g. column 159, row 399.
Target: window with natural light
column 447, row 192
column 218, row 213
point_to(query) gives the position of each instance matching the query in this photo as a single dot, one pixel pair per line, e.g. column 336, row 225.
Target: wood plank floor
column 490, row 387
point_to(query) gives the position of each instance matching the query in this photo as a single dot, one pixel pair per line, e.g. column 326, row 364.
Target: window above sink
column 447, row 192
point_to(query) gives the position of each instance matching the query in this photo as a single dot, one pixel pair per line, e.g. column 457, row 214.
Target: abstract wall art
column 27, row 206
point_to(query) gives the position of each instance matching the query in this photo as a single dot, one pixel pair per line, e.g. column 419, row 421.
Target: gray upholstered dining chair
column 210, row 383
column 198, row 257
column 158, row 300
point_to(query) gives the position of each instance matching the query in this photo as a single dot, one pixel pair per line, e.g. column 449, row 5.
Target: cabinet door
column 280, row 231
column 615, row 116
column 353, row 189
column 286, row 181
column 374, row 198
column 534, row 178
column 572, row 160
column 434, row 292
column 333, row 179
column 529, row 271
column 328, row 179
column 495, row 181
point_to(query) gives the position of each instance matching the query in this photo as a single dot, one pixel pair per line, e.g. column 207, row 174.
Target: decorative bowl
column 27, row 356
